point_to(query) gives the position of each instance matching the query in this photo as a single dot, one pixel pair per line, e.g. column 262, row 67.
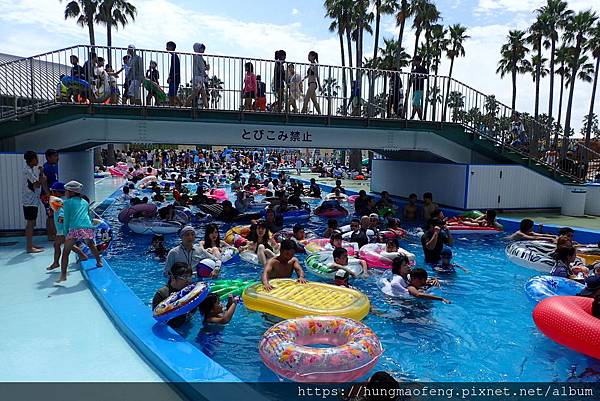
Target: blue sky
column 257, row 28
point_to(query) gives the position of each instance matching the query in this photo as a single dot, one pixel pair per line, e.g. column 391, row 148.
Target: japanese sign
column 280, row 137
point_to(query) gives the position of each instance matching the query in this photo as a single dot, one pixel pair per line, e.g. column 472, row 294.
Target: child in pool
column 340, row 266
column 419, row 282
column 158, row 246
column 332, row 226
column 213, row 311
column 398, row 285
column 392, row 249
column 445, row 265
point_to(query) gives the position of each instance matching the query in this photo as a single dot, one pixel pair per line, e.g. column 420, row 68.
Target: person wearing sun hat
column 77, row 226
column 187, row 252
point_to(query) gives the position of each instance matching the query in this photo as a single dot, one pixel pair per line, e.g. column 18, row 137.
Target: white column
column 78, row 166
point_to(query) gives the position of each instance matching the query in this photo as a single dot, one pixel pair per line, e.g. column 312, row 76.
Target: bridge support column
column 79, row 166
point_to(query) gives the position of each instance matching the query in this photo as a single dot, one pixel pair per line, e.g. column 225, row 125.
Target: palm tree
column 338, row 10
column 424, row 15
column 513, row 61
column 538, row 67
column 536, row 34
column 556, row 14
column 401, row 17
column 594, row 47
column 454, row 49
column 381, row 7
column 456, row 101
column 113, row 13
column 215, row 86
column 562, row 58
column 84, row 11
column 361, row 19
column 578, row 30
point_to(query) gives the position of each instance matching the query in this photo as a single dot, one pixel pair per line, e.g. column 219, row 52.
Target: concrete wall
column 511, row 187
column 447, row 182
column 468, row 186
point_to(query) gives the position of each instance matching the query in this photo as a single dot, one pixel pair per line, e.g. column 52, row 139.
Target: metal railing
column 31, row 84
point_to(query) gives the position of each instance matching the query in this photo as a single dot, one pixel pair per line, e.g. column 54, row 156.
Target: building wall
column 446, row 181
column 511, row 187
column 468, row 186
column 11, row 182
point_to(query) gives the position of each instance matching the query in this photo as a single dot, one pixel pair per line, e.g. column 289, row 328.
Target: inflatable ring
column 103, row 237
column 318, row 264
column 288, row 233
column 146, row 209
column 392, row 233
column 372, row 254
column 323, row 244
column 250, row 257
column 217, row 194
column 143, row 183
column 381, row 212
column 141, row 225
column 542, row 287
column 534, row 255
column 181, row 302
column 205, row 267
column 56, row 203
column 354, row 349
column 340, row 198
column 237, row 236
column 569, row 321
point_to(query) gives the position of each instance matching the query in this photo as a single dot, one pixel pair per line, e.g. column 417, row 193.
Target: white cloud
column 295, row 11
column 522, row 6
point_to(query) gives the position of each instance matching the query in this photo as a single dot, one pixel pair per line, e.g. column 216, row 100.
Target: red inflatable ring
column 569, row 321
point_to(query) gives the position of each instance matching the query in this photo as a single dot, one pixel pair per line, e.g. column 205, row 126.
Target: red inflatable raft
column 569, row 321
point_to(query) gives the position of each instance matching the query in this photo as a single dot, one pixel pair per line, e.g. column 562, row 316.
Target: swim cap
column 185, row 230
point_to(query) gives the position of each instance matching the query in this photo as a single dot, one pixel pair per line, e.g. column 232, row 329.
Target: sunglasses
column 184, row 277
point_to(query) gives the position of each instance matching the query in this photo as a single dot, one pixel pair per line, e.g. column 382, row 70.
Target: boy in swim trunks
column 283, row 265
column 428, row 206
column 410, row 210
column 418, row 282
column 340, row 266
column 445, row 265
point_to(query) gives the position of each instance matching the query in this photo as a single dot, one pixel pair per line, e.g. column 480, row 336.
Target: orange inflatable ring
column 569, row 321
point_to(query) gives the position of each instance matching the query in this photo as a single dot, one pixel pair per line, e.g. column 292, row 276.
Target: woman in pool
column 262, row 244
column 212, row 246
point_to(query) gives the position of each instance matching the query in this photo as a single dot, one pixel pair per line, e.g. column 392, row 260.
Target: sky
column 256, row 29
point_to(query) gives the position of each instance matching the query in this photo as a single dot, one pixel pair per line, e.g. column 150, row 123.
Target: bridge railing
column 217, row 82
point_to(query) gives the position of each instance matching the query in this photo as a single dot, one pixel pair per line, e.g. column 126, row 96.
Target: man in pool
column 526, row 233
column 180, row 276
column 187, row 252
column 283, row 265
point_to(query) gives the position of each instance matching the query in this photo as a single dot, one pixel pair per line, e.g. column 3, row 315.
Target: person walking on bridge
column 135, row 76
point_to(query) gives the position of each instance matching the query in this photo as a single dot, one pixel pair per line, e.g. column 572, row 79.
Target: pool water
column 486, row 334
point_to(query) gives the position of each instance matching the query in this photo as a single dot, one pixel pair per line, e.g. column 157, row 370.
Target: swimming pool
column 486, row 334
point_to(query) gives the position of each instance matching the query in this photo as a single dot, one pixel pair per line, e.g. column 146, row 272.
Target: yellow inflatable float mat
column 289, row 299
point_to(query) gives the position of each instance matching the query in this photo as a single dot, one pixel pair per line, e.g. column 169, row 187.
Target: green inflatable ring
column 224, row 288
column 154, row 89
column 381, row 212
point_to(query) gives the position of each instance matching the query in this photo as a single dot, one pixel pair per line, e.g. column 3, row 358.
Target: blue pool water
column 486, row 334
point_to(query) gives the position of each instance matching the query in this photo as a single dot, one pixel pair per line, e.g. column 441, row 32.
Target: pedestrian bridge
column 461, row 125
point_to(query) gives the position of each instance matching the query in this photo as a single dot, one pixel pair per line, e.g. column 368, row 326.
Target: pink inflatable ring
column 354, row 349
column 569, row 321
